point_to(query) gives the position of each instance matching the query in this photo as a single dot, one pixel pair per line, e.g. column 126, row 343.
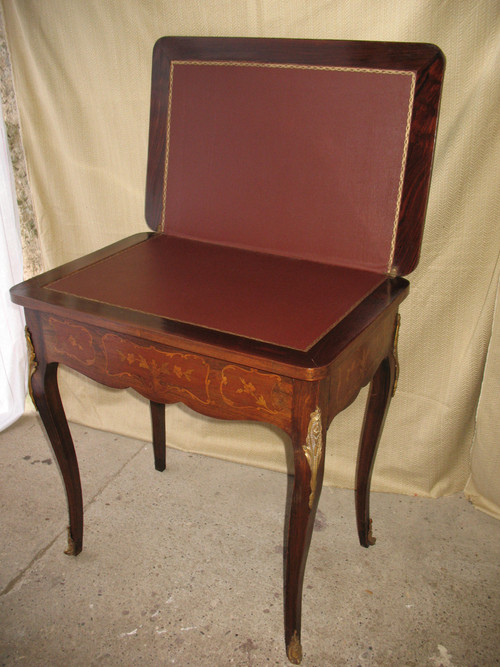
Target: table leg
column 381, row 391
column 47, row 400
column 308, row 442
column 158, row 422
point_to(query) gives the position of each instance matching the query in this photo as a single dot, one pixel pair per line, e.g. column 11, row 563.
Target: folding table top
column 314, row 149
column 287, row 180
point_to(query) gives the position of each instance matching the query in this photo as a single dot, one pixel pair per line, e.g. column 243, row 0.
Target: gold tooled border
column 360, row 70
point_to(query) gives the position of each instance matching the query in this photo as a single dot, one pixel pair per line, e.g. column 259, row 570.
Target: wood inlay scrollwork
column 241, row 388
column 157, row 371
column 73, row 340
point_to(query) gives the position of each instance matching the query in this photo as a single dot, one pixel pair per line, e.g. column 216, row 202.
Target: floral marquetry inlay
column 157, row 371
column 167, row 375
column 73, row 340
column 243, row 388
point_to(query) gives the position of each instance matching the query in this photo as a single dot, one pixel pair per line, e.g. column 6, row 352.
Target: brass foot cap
column 71, row 550
column 370, row 538
column 294, row 650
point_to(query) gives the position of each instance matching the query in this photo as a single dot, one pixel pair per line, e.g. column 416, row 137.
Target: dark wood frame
column 300, row 392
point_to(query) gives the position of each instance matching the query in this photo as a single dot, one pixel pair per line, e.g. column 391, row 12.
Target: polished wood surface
column 227, row 372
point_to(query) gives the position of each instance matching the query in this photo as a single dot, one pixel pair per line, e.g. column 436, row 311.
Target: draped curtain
column 13, row 356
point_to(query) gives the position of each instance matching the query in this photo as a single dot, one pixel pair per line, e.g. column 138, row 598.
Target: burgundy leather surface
column 279, row 300
column 298, row 162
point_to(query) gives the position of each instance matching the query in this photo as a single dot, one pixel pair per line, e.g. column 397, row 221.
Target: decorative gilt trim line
column 313, row 449
column 301, row 66
column 161, row 227
column 32, row 363
column 397, row 325
column 294, row 650
column 390, row 267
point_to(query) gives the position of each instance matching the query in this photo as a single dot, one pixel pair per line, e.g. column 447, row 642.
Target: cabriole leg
column 308, row 442
column 382, row 389
column 158, row 422
column 45, row 394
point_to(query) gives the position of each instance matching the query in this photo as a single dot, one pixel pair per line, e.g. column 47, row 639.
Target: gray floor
column 184, row 567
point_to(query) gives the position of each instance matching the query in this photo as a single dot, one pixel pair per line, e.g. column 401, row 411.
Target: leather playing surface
column 279, row 300
column 300, row 161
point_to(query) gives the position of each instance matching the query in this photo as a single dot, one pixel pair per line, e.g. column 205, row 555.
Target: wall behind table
column 82, row 77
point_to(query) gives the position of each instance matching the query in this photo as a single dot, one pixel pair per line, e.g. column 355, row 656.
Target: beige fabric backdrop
column 483, row 487
column 82, row 76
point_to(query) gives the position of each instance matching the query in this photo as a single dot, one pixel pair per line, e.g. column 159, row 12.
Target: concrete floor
column 184, row 567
